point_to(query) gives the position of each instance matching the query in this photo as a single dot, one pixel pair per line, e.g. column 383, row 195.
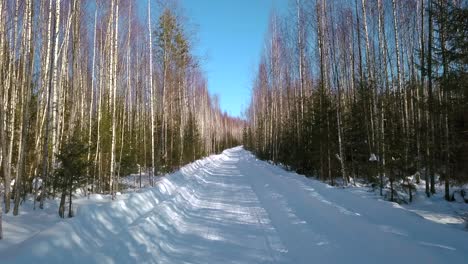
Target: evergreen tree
column 71, row 172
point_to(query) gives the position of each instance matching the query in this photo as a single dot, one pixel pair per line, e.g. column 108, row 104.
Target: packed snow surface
column 233, row 208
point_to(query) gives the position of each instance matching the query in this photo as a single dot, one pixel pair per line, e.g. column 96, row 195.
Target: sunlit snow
column 232, row 208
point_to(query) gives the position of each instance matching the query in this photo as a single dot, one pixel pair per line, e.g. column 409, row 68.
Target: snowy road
column 232, row 208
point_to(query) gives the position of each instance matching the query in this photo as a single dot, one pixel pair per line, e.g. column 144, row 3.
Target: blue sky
column 229, row 41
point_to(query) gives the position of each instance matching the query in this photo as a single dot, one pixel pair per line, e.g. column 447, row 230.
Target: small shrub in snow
column 71, row 174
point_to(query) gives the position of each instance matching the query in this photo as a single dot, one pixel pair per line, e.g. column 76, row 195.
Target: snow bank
column 97, row 226
column 232, row 208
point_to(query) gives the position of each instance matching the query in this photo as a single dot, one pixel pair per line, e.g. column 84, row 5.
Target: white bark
column 64, row 84
column 300, row 44
column 113, row 89
column 110, row 81
column 126, row 112
column 10, row 87
column 2, row 114
column 51, row 52
column 366, row 34
column 91, row 106
column 25, row 94
column 99, row 112
column 399, row 72
column 385, row 79
column 56, row 89
column 151, row 91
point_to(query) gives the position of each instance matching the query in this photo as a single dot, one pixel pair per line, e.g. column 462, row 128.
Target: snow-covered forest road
column 233, row 208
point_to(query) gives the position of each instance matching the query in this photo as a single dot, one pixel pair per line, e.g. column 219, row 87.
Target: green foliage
column 72, row 162
column 128, row 164
column 192, row 141
column 72, row 165
column 171, row 42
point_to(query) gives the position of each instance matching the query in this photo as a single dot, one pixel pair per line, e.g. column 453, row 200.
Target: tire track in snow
column 232, row 208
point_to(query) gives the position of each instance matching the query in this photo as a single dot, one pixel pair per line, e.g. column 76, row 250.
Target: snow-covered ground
column 434, row 208
column 133, row 181
column 233, row 208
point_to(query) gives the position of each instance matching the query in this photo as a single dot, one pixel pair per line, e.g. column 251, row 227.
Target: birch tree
column 151, row 88
column 357, row 109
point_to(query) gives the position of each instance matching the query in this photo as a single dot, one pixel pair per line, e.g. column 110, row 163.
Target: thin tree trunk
column 384, row 54
column 26, row 93
column 70, row 193
column 152, row 94
column 341, row 157
column 91, row 106
column 301, row 61
column 56, row 89
column 2, row 114
column 445, row 95
column 62, row 204
column 431, row 101
column 111, row 102
column 113, row 87
column 11, row 82
column 45, row 165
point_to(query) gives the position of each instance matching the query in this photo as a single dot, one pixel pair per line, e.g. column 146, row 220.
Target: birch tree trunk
column 443, row 5
column 45, row 158
column 10, row 90
column 42, row 119
column 56, row 90
column 341, row 157
column 99, row 113
column 152, row 94
column 113, row 88
column 91, row 106
column 110, row 83
column 425, row 109
column 370, row 83
column 300, row 44
column 399, row 70
column 2, row 114
column 383, row 54
column 26, row 94
column 431, row 104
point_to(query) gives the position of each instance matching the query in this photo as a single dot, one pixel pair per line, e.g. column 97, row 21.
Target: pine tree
column 71, row 172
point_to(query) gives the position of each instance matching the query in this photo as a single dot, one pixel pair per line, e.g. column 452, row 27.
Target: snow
column 434, row 208
column 373, row 157
column 233, row 208
column 37, row 182
column 133, row 180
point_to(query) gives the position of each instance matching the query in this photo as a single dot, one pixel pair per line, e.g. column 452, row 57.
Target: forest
column 92, row 91
column 355, row 133
column 365, row 90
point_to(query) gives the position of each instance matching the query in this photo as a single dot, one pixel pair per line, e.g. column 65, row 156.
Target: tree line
column 101, row 77
column 365, row 89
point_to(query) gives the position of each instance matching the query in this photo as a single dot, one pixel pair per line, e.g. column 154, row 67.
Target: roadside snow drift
column 232, row 208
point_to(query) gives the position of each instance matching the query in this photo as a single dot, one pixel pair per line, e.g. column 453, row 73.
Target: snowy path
column 232, row 208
